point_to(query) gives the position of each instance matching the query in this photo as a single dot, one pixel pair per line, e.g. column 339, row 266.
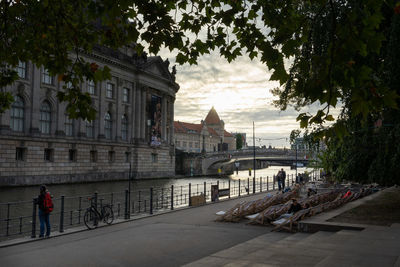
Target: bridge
column 209, row 163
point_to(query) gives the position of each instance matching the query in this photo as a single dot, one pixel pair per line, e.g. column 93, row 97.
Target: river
column 71, row 200
column 26, row 193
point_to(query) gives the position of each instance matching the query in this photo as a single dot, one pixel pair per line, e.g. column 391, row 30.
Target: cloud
column 240, row 92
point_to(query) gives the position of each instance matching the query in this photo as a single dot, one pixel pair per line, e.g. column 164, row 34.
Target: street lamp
column 296, row 158
column 129, row 188
column 254, row 161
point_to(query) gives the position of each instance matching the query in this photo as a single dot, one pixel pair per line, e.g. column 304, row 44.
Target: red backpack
column 48, row 203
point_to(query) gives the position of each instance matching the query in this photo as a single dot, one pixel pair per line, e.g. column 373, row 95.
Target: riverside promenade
column 191, row 237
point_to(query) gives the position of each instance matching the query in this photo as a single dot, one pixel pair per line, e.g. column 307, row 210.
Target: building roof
column 211, row 131
column 226, row 134
column 212, row 117
column 184, row 127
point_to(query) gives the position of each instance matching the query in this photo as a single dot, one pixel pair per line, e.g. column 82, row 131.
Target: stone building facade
column 40, row 144
column 208, row 136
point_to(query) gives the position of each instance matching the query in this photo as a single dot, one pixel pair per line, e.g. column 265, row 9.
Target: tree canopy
column 239, row 141
column 324, row 51
column 371, row 151
column 329, row 52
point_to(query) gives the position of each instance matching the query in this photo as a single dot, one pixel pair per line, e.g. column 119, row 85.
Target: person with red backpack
column 45, row 207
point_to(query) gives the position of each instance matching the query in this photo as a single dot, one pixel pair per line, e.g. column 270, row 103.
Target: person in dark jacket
column 43, row 215
column 295, row 207
column 283, row 178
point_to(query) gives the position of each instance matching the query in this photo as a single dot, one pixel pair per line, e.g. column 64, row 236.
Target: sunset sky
column 240, row 93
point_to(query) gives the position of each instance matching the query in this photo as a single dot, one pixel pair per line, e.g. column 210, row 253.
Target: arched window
column 68, row 125
column 124, row 127
column 45, row 117
column 107, row 125
column 90, row 129
column 17, row 115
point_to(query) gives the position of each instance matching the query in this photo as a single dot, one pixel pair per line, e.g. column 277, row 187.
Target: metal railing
column 21, row 218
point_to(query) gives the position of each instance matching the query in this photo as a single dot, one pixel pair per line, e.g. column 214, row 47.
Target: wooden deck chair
column 316, row 210
column 289, row 222
column 270, row 214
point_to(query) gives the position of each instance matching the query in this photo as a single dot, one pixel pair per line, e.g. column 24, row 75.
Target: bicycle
column 93, row 216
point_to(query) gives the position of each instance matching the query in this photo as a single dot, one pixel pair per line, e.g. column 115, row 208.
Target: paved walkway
column 371, row 247
column 191, row 237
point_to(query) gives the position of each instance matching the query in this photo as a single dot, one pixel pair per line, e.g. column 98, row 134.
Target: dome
column 212, row 117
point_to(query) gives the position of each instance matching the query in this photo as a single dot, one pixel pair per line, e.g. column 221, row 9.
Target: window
column 109, row 90
column 196, row 145
column 90, row 129
column 20, row 154
column 154, row 158
column 69, row 126
column 17, row 115
column 127, row 157
column 93, row 156
column 125, row 95
column 72, row 155
column 107, row 125
column 21, row 70
column 190, row 144
column 91, row 87
column 178, row 143
column 45, row 117
column 46, row 78
column 111, row 156
column 124, row 127
column 48, row 154
column 184, row 144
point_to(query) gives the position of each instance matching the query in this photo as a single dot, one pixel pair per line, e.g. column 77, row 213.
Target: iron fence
column 21, row 218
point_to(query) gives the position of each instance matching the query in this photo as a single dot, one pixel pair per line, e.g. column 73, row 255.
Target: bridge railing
column 19, row 219
column 259, row 151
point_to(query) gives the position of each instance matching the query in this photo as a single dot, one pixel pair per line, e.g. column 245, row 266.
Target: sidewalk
column 191, row 237
column 171, row 239
column 365, row 245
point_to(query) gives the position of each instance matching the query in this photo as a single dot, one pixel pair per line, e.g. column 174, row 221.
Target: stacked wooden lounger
column 243, row 209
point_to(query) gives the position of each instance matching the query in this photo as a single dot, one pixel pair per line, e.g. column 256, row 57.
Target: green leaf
column 329, row 118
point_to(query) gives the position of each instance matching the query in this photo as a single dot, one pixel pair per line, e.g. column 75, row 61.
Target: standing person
column 283, row 178
column 45, row 207
column 278, row 177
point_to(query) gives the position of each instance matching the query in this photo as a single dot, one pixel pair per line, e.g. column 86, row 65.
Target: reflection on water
column 27, row 193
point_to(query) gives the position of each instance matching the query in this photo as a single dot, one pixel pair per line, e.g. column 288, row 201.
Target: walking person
column 45, row 208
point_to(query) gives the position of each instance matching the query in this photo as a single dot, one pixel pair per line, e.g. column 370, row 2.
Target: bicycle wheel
column 108, row 215
column 90, row 218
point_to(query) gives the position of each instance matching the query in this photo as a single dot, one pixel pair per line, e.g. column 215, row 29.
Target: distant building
column 133, row 128
column 208, row 136
column 301, row 145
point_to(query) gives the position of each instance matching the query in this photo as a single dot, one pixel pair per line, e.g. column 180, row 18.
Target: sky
column 240, row 92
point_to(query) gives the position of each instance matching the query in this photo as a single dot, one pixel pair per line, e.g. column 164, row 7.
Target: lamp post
column 129, row 186
column 254, row 161
column 296, row 158
column 204, row 145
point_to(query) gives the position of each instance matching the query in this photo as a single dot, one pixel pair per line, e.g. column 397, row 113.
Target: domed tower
column 213, row 121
